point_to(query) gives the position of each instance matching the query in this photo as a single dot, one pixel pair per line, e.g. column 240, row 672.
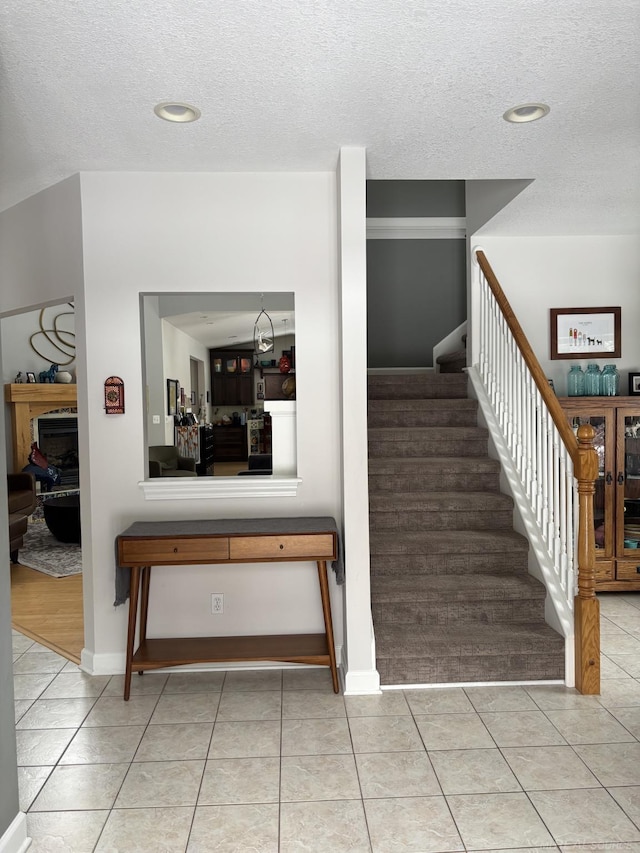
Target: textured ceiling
column 282, row 84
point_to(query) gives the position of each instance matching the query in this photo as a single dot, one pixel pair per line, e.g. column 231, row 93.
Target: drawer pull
column 638, row 570
column 282, row 547
column 175, row 550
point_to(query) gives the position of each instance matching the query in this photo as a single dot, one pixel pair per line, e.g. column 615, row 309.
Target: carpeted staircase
column 451, row 596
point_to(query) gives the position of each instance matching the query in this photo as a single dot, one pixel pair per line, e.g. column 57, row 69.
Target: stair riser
column 417, row 520
column 448, row 564
column 426, row 385
column 508, row 667
column 417, row 481
column 422, row 419
column 447, row 614
column 412, row 392
column 385, row 448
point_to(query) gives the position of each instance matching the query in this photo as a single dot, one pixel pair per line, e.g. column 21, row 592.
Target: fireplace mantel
column 27, row 402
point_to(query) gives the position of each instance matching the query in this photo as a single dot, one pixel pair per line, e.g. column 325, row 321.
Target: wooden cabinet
column 204, row 467
column 232, row 377
column 230, row 444
column 616, row 421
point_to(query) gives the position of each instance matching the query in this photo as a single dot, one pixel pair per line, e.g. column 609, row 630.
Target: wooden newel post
column 586, row 605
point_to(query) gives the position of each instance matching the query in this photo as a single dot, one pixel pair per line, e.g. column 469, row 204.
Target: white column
column 361, row 675
column 283, row 437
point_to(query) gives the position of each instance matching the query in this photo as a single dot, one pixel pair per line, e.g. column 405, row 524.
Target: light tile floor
column 273, row 762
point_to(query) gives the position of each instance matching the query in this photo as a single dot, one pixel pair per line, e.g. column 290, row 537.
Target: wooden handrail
column 550, row 399
column 585, row 468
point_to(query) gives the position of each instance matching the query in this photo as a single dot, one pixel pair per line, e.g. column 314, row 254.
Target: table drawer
column 628, row 571
column 604, row 570
column 312, row 545
column 155, row 552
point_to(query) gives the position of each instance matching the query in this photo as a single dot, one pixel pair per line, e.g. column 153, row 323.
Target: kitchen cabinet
column 616, row 421
column 204, row 467
column 231, row 377
column 230, row 443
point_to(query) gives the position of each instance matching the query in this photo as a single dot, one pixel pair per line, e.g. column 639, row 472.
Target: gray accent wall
column 416, row 295
column 9, row 805
column 415, row 198
column 416, row 289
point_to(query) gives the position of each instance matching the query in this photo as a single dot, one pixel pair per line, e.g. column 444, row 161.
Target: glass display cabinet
column 616, row 421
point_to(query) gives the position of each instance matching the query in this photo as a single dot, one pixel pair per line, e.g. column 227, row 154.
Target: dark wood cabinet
column 230, row 444
column 205, row 466
column 232, row 377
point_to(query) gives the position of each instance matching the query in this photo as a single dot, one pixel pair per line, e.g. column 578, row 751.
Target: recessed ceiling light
column 526, row 112
column 176, row 111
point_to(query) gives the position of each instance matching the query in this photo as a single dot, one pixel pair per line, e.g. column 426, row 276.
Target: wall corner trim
column 15, row 839
column 364, row 682
column 417, row 228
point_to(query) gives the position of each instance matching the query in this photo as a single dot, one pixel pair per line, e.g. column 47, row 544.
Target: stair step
column 438, row 655
column 429, row 473
column 447, row 600
column 416, row 413
column 440, row 510
column 397, row 386
column 427, row 441
column 453, row 552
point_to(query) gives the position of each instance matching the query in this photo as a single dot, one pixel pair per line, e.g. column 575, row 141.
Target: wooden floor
column 48, row 610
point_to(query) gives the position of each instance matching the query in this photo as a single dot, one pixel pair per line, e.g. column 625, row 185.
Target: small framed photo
column 634, row 384
column 31, row 377
column 182, row 397
column 193, row 398
column 172, row 396
column 551, row 385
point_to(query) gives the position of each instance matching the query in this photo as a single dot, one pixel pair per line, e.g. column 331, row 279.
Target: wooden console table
column 265, row 540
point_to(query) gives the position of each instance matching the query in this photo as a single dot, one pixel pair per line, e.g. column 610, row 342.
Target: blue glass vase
column 592, row 381
column 575, row 382
column 609, row 381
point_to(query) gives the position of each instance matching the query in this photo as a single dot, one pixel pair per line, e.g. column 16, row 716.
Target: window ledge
column 196, row 488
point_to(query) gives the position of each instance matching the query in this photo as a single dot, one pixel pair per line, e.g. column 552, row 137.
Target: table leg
column 131, row 635
column 144, row 606
column 328, row 623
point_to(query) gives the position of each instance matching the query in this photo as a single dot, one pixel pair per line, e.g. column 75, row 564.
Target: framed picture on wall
column 585, row 332
column 634, row 384
column 172, row 396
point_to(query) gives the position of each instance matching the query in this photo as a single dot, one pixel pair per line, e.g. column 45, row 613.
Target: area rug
column 43, row 552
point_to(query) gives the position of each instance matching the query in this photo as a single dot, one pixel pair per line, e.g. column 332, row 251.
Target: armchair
column 164, row 461
column 21, row 494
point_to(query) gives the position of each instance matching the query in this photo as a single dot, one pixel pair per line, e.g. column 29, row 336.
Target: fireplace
column 57, row 437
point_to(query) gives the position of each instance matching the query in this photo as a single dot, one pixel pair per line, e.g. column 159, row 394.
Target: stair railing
column 555, row 467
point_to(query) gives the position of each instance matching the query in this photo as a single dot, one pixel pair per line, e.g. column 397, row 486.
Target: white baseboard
column 110, row 663
column 15, row 839
column 364, row 682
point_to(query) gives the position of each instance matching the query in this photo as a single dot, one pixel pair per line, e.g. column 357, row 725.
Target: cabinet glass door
column 603, row 498
column 629, row 480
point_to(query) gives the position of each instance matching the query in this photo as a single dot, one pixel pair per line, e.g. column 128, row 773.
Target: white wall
column 178, row 349
column 199, row 232
column 539, row 273
column 40, row 263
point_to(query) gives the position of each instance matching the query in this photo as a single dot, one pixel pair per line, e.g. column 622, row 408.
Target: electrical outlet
column 156, row 419
column 217, row 603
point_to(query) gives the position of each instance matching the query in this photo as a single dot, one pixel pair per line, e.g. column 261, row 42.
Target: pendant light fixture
column 263, row 331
